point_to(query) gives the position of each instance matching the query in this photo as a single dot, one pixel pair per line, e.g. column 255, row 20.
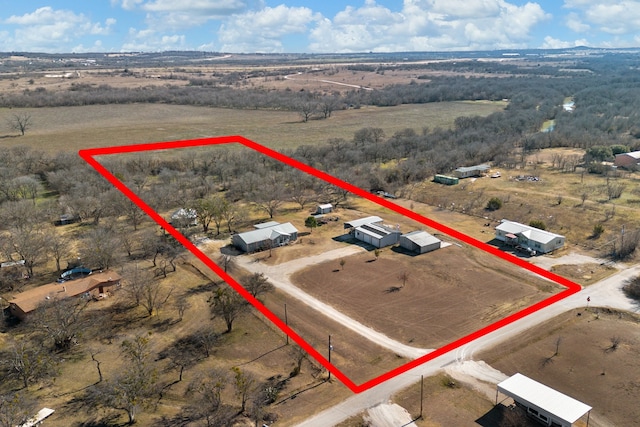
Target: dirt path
column 280, row 275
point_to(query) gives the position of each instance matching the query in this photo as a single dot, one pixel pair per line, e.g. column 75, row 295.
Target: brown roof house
column 95, row 285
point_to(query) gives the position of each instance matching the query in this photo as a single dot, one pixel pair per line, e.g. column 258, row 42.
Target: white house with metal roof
column 471, row 171
column 266, row 235
column 419, row 242
column 541, row 241
column 545, row 404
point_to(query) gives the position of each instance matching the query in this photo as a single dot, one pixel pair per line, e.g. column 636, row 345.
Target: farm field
column 73, row 128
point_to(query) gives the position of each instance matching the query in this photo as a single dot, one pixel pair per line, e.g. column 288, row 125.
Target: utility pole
column 330, row 348
column 286, row 321
column 421, row 393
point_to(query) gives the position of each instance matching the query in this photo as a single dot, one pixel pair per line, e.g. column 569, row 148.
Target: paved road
column 605, row 293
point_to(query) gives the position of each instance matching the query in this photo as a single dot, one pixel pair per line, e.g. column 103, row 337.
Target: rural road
column 280, row 275
column 290, row 77
column 606, row 293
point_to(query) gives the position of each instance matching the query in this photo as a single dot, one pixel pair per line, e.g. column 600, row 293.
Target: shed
column 266, row 235
column 544, row 403
column 324, row 209
column 419, row 241
column 445, row 179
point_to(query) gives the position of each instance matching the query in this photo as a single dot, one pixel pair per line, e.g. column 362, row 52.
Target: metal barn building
column 377, row 235
column 419, row 242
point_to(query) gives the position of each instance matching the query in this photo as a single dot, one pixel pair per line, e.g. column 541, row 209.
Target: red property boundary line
column 89, row 156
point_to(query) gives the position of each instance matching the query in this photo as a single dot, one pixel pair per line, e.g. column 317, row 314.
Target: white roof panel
column 529, row 232
column 421, row 238
column 549, row 400
column 362, row 221
column 267, row 233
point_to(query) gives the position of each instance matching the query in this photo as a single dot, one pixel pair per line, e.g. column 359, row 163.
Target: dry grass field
column 73, row 128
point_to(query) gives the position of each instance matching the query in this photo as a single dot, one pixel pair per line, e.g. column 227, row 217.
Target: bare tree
column 307, row 109
column 16, row 408
column 154, row 296
column 228, row 304
column 257, row 284
column 205, row 395
column 61, row 319
column 227, row 262
column 29, row 362
column 135, row 384
column 99, row 248
column 20, row 122
column 136, row 280
column 30, row 243
column 58, row 246
column 269, row 197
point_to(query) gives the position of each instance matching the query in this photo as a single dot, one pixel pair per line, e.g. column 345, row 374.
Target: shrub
column 494, row 204
column 598, row 229
column 536, row 223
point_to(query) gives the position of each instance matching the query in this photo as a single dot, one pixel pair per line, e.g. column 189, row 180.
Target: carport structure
column 546, row 405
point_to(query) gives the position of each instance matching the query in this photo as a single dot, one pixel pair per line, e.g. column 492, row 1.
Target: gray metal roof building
column 419, row 241
column 266, row 235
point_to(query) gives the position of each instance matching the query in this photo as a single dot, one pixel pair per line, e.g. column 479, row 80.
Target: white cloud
column 183, row 14
column 620, row 17
column 429, row 24
column 263, row 30
column 575, row 23
column 150, row 40
column 49, row 30
column 552, row 43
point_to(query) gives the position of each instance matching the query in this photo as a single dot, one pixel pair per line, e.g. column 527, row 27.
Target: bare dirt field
column 448, row 294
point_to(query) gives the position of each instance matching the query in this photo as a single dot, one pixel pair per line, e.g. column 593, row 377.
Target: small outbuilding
column 324, row 209
column 266, row 235
column 419, row 242
column 545, row 404
column 446, row 180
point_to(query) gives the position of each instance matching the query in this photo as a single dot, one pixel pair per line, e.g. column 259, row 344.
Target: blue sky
column 315, row 26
